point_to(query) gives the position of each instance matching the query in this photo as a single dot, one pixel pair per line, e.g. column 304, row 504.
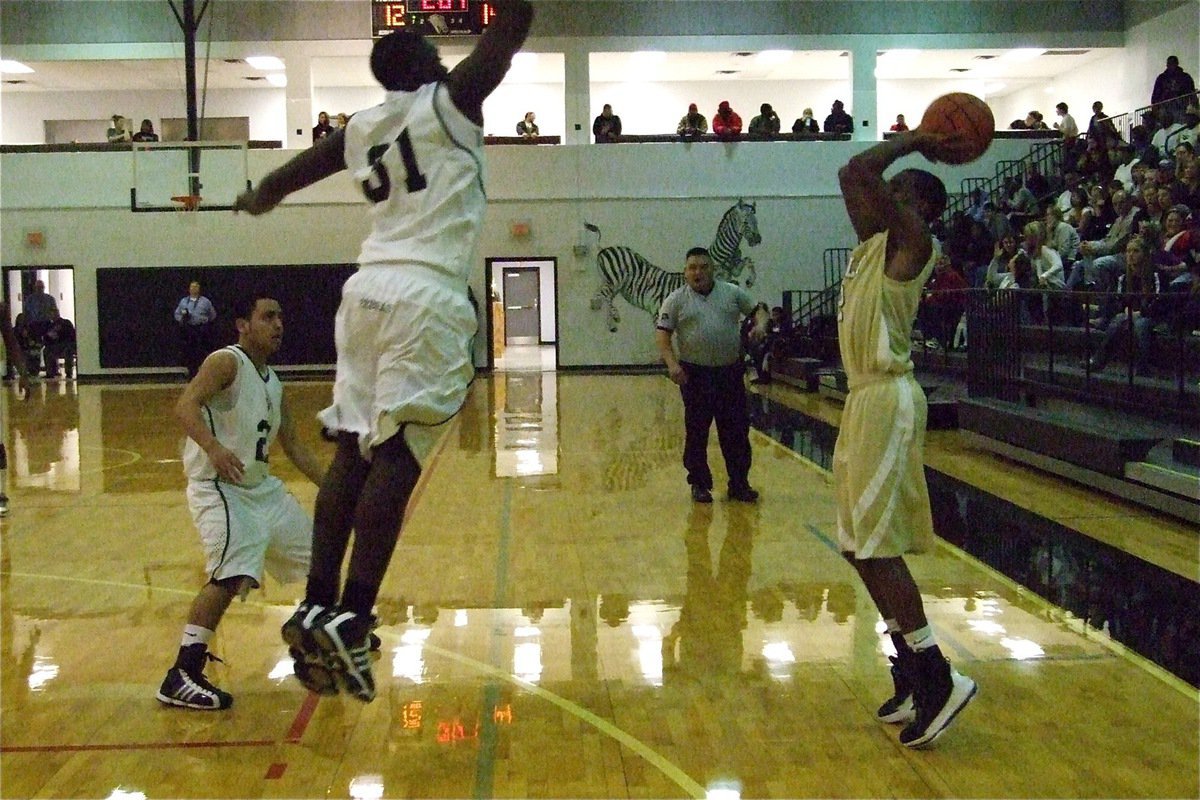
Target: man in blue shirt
column 195, row 314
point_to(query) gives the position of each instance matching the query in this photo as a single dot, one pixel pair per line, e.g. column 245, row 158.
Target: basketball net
column 187, row 202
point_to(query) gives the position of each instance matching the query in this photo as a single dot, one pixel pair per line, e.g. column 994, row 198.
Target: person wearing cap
column 767, row 121
column 838, row 120
column 726, row 122
column 693, row 123
column 806, row 123
column 119, row 132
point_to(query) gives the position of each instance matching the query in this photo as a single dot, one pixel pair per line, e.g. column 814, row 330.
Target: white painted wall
column 658, row 199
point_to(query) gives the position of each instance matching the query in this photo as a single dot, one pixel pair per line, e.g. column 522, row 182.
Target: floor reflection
column 526, row 424
column 44, row 453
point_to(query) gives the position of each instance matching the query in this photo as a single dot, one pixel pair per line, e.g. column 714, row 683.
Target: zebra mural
column 624, row 272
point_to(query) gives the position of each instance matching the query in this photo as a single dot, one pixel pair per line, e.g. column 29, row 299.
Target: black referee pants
column 715, row 393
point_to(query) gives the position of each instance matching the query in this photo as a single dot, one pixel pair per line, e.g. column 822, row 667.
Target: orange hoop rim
column 187, row 202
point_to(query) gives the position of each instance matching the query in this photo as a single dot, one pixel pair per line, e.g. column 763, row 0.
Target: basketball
column 966, row 114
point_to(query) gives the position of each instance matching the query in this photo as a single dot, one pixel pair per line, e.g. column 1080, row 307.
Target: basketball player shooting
column 404, row 326
column 878, row 464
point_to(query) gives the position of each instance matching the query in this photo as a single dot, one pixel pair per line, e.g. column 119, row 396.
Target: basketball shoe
column 939, row 693
column 310, row 664
column 3, row 504
column 345, row 639
column 899, row 707
column 186, row 686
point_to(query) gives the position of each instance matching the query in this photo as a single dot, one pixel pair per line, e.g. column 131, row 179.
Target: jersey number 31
column 380, row 188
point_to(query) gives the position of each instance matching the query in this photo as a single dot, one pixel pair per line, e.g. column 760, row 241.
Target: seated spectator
column 942, row 304
column 607, row 126
column 322, row 128
column 1018, row 125
column 1098, row 217
column 527, row 127
column 1018, row 203
column 766, row 123
column 1005, row 250
column 693, row 123
column 838, row 120
column 1071, row 182
column 726, row 123
column 1169, row 130
column 1185, row 153
column 1127, row 308
column 146, row 134
column 1094, row 164
column 1073, row 216
column 1102, row 260
column 1047, row 268
column 1143, row 148
column 899, row 125
column 806, row 123
column 59, row 342
column 1176, row 243
column 1036, row 182
column 119, row 130
column 1035, row 122
column 30, row 343
column 1060, row 236
column 1188, row 191
column 758, row 350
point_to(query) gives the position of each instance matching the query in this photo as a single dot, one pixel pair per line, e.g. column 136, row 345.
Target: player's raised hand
column 951, row 148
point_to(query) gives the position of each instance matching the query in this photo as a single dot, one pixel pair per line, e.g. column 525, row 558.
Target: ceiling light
column 992, row 88
column 277, row 79
column 645, row 58
column 899, row 56
column 774, row 57
column 14, row 67
column 265, row 63
column 1023, row 54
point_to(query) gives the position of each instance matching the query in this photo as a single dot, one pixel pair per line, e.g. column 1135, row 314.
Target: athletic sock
column 920, row 639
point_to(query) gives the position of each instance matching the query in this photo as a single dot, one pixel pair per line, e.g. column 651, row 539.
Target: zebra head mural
column 624, row 272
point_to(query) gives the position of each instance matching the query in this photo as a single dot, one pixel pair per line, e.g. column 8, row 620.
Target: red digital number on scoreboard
column 442, row 5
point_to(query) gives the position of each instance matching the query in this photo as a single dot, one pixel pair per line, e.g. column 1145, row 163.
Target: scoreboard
column 432, row 17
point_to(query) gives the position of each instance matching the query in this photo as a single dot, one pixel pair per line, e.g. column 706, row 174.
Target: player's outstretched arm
column 299, row 454
column 323, row 159
column 481, row 72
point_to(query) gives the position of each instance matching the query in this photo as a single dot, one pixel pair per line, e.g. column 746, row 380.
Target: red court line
column 302, row 718
column 275, row 771
column 86, row 748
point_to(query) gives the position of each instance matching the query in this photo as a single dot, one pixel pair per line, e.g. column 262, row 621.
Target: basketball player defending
column 878, row 466
column 404, row 327
column 232, row 410
column 15, row 356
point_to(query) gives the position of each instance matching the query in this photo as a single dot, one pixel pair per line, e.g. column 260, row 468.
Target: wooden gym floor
column 559, row 621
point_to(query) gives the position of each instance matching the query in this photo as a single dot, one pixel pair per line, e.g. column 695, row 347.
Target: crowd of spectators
column 1111, row 242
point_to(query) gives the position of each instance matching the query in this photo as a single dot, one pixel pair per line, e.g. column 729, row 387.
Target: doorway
column 523, row 314
column 58, row 281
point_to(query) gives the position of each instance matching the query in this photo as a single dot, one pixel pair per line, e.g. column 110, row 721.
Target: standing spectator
column 146, row 134
column 1174, row 87
column 59, row 342
column 322, row 128
column 342, row 120
column 806, row 123
column 527, row 127
column 1066, row 123
column 29, row 347
column 1101, row 127
column 838, row 120
column 726, row 122
column 607, row 126
column 900, row 124
column 195, row 314
column 767, row 122
column 693, row 123
column 405, row 323
column 249, row 523
column 119, row 130
column 702, row 316
column 878, row 461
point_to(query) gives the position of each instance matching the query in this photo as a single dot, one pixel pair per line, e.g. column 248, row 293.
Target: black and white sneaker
column 939, row 694
column 899, row 707
column 3, row 504
column 344, row 638
column 192, row 690
column 312, row 667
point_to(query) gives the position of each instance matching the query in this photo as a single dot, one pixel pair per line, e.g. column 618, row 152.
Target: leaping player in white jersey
column 232, row 411
column 404, row 326
column 15, row 357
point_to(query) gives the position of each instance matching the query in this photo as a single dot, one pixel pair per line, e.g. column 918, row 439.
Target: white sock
column 892, row 626
column 194, row 634
column 920, row 639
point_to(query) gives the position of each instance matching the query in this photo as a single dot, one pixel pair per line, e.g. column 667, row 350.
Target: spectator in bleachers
column 1061, row 236
column 1047, row 266
column 146, row 134
column 1036, row 182
column 838, row 120
column 1018, row 203
column 1102, row 260
column 1177, row 243
column 1185, row 153
column 1174, row 87
column 1070, row 184
column 767, row 121
column 1034, row 121
column 996, row 222
column 1123, row 160
column 1094, row 165
column 726, row 123
column 942, row 304
column 1066, row 123
column 899, row 125
column 1169, row 130
column 1188, row 192
column 806, row 123
column 322, row 128
column 1101, row 128
column 1143, row 147
column 693, row 123
column 1128, row 304
column 119, row 130
column 527, row 127
column 607, row 126
column 1074, row 215
column 1099, row 215
column 1006, row 249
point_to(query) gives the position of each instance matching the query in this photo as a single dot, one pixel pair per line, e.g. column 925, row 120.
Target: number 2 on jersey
column 260, row 449
column 414, row 181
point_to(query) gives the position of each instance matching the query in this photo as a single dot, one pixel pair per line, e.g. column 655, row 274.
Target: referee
column 704, row 316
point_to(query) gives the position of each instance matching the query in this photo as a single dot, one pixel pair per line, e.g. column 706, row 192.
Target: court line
column 485, row 760
column 88, row 748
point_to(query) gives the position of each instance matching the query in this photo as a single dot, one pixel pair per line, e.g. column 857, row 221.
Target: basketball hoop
column 187, row 202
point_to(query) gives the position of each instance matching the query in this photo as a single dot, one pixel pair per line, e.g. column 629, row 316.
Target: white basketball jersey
column 419, row 161
column 244, row 417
